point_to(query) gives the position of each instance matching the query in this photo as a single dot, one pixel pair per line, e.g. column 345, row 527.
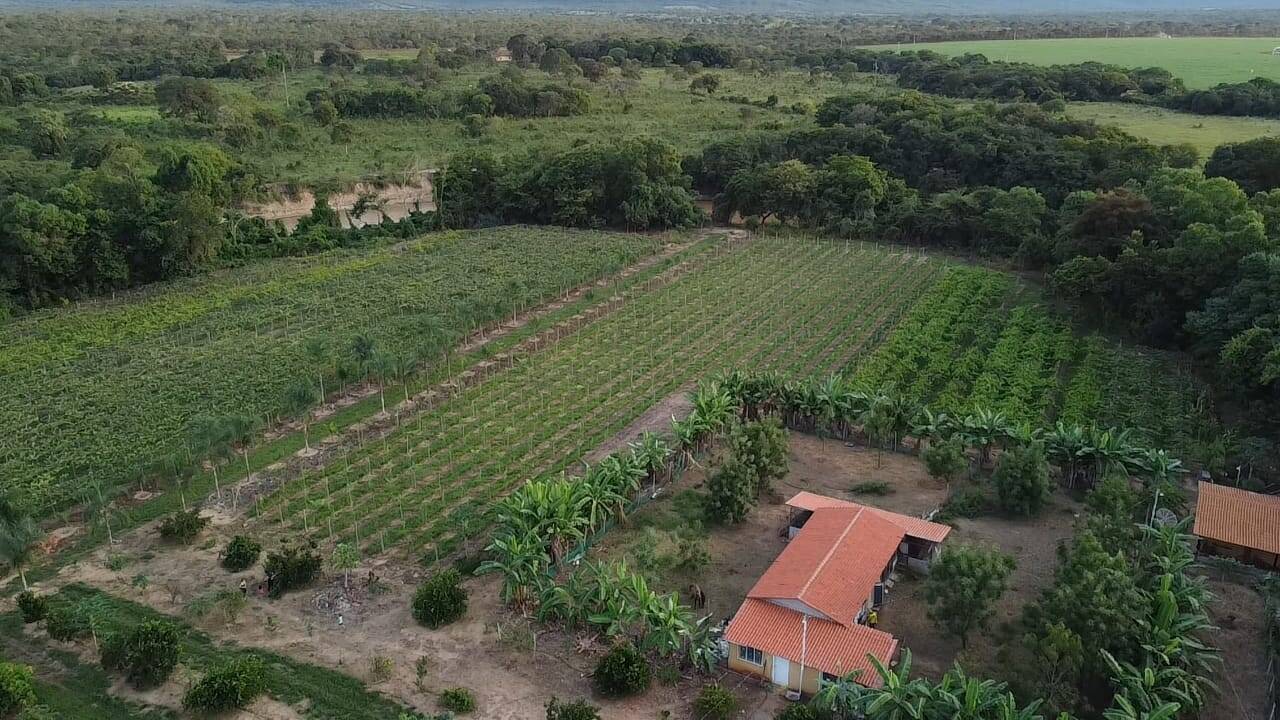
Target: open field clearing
column 105, row 391
column 1167, row 127
column 806, row 307
column 1200, row 62
column 657, row 104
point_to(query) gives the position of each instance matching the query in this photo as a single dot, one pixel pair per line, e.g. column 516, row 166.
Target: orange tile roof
column 824, row 645
column 913, row 526
column 834, row 563
column 1238, row 517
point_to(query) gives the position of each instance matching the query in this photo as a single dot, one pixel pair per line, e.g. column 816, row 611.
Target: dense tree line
column 506, row 95
column 1253, row 164
column 1259, row 96
column 635, row 183
column 935, row 145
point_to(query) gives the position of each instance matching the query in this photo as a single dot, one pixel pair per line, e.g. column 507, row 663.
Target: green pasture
column 1166, row 127
column 1200, row 61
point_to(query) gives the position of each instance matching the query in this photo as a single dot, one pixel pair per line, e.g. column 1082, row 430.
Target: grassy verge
column 325, row 694
column 70, row 689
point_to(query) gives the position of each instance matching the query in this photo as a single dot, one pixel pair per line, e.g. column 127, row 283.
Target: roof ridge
column 827, row 557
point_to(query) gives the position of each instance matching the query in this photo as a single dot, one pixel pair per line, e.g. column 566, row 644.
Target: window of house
column 751, row 655
column 827, row 679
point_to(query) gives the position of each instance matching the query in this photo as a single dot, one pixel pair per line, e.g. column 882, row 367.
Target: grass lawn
column 1200, row 62
column 1159, row 125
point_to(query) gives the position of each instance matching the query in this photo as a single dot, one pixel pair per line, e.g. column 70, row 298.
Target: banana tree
column 1123, row 709
column 597, row 500
column 1066, row 446
column 981, row 430
column 97, row 506
column 931, row 426
column 700, row 646
column 1148, row 691
column 686, row 435
column 521, row 559
column 652, row 453
column 667, row 625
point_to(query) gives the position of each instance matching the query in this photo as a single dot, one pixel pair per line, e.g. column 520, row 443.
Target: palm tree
column 97, row 506
column 318, row 352
column 18, row 536
column 298, row 400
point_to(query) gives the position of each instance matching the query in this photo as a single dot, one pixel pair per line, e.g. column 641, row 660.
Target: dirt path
column 656, row 419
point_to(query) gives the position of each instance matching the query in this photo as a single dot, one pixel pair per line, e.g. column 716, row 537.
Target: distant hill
column 803, row 7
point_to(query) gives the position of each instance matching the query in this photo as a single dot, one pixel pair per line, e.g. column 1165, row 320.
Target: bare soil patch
column 1243, row 680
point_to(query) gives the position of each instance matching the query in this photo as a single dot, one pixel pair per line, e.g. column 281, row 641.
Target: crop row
column 1021, row 375
column 108, row 390
column 800, row 305
column 926, row 352
column 1142, row 389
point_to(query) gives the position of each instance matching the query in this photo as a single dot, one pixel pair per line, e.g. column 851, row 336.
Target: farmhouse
column 804, row 621
column 1238, row 524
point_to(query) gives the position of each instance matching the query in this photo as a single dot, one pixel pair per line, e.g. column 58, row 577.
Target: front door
column 781, row 671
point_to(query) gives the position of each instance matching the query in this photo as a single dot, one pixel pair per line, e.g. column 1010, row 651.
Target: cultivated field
column 1200, row 62
column 806, row 307
column 107, row 390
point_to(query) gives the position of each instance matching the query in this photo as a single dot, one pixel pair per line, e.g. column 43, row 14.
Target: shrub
column 762, row 446
column 622, row 672
column 963, row 587
column 183, row 527
column 797, row 712
column 732, row 489
column 458, row 700
column 945, row 460
column 241, row 553
column 37, row 712
column 668, row 674
column 32, row 606
column 440, row 600
column 17, row 687
column 64, row 624
column 291, row 567
column 580, row 710
column 871, row 487
column 381, row 669
column 151, row 653
column 715, row 703
column 229, row 686
column 967, row 502
column 691, row 552
column 1022, row 480
column 112, row 652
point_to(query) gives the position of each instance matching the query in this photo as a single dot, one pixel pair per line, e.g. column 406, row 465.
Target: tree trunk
column 22, row 573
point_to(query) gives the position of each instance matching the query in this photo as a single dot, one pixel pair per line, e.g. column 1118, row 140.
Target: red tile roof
column 826, row 646
column 1238, row 517
column 915, row 527
column 834, row 563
